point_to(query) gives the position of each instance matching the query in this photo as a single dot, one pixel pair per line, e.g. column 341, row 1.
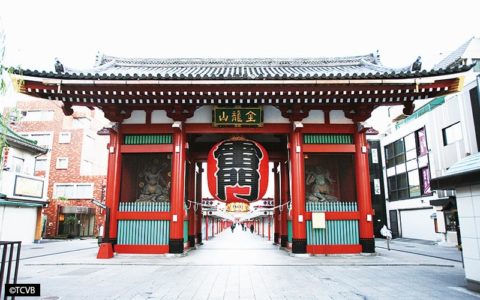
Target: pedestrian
column 232, row 227
column 387, row 233
column 251, row 228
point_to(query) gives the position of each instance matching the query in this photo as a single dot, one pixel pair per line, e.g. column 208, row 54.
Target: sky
column 74, row 31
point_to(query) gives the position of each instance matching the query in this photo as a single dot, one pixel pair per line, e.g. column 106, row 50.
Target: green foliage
column 5, row 116
column 3, row 87
column 70, row 220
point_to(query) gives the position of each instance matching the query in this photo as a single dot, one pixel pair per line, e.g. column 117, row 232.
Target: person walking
column 251, row 228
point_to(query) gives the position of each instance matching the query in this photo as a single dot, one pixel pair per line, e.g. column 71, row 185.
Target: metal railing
column 9, row 261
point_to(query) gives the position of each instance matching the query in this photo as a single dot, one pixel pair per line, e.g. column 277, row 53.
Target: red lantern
column 237, row 170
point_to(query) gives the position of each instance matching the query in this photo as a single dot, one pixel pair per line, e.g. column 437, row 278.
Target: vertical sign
column 426, row 181
column 376, row 186
column 374, row 156
column 422, row 142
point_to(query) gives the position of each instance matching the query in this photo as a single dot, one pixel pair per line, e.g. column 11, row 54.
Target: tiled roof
column 14, row 138
column 455, row 58
column 351, row 67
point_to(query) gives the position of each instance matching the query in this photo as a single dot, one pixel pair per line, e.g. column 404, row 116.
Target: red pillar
column 364, row 197
column 206, row 228
column 177, row 193
column 276, row 211
column 112, row 194
column 263, row 227
column 268, row 228
column 191, row 211
column 198, row 193
column 299, row 238
column 284, row 200
column 213, row 227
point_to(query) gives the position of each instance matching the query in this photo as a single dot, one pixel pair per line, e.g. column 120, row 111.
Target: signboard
column 318, row 220
column 28, row 187
column 376, row 186
column 426, row 181
column 238, row 207
column 374, row 156
column 237, row 116
column 422, row 142
column 77, row 210
column 237, row 170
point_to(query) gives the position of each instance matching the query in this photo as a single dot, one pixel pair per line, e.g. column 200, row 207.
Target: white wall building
column 464, row 177
column 22, row 195
column 425, row 145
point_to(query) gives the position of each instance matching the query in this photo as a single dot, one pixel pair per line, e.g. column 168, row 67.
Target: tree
column 3, row 87
column 5, row 114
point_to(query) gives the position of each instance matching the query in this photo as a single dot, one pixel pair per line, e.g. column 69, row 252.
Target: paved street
column 239, row 266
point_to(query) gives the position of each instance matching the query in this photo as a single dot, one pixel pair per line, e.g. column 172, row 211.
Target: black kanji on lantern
column 238, row 164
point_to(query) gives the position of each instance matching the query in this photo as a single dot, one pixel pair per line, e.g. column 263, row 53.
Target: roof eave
column 456, row 180
column 26, row 146
column 414, row 80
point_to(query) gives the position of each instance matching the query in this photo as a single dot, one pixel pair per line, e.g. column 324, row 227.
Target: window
column 476, row 68
column 395, row 153
column 37, row 115
column 62, row 163
column 414, row 183
column 452, row 133
column 410, row 147
column 407, row 160
column 84, row 191
column 64, row 137
column 41, row 164
column 43, row 139
column 73, row 190
column 398, row 187
column 18, row 164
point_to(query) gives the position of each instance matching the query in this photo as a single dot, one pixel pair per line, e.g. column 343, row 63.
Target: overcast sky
column 38, row 31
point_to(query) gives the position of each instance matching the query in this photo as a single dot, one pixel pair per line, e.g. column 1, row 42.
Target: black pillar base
column 199, row 238
column 473, row 285
column 175, row 245
column 191, row 240
column 368, row 245
column 299, row 245
column 284, row 240
column 276, row 236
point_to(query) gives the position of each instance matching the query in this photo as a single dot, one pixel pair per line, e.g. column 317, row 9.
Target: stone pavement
column 238, row 265
column 421, row 247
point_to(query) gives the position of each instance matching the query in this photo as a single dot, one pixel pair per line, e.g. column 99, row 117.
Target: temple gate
column 307, row 113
